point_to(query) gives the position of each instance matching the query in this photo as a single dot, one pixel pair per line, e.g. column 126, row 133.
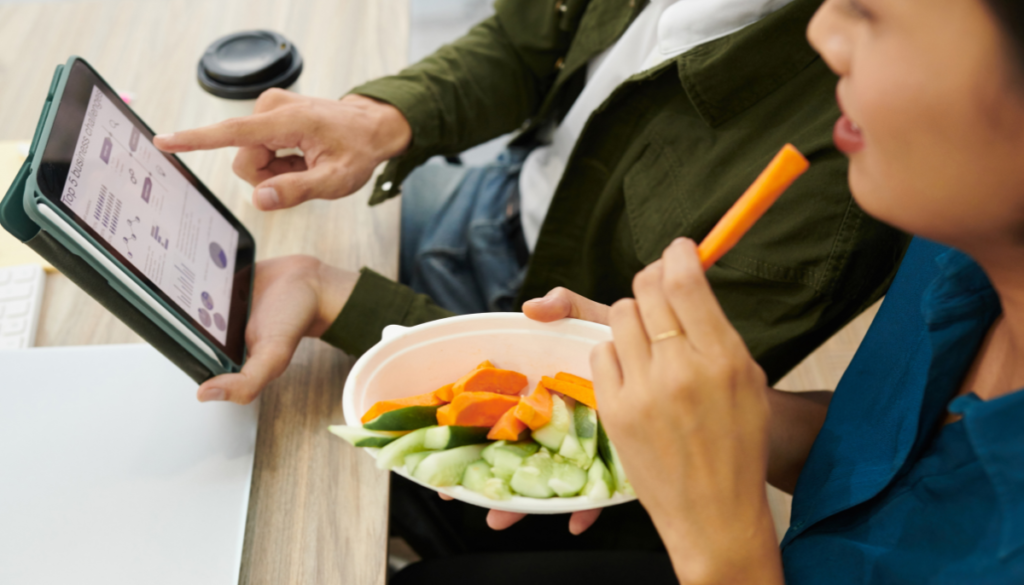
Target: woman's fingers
column 659, row 318
column 631, row 343
column 604, row 363
column 500, row 520
column 580, row 521
column 687, row 290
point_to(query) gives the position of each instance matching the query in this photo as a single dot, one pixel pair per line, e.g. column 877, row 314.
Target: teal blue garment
column 889, row 494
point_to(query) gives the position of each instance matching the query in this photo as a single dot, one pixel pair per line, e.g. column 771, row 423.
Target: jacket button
column 560, row 63
column 560, row 6
column 386, row 186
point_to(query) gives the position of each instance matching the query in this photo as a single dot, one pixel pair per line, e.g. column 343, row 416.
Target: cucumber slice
column 476, row 476
column 567, row 479
column 446, row 468
column 531, row 479
column 497, row 489
column 414, row 459
column 585, row 421
column 449, row 437
column 552, row 434
column 572, row 450
column 393, row 454
column 409, row 418
column 611, row 459
column 506, row 457
column 600, row 484
column 360, row 437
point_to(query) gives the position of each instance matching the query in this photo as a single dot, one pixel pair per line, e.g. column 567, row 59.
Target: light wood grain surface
column 318, row 510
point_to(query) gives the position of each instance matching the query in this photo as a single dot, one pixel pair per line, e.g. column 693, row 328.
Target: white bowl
column 415, row 360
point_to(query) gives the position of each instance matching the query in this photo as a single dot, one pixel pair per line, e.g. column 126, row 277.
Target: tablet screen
column 148, row 210
column 121, row 186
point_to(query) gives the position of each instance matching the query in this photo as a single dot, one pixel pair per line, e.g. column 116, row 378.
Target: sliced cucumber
column 600, row 484
column 497, row 489
column 414, row 459
column 449, row 437
column 571, row 448
column 585, row 421
column 611, row 459
column 567, row 479
column 476, row 475
column 552, row 434
column 531, row 479
column 393, row 454
column 445, row 468
column 409, row 418
column 360, row 437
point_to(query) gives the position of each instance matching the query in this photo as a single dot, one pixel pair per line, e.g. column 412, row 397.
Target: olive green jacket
column 665, row 156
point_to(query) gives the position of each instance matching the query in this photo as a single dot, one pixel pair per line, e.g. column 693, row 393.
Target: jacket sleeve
column 481, row 86
column 375, row 303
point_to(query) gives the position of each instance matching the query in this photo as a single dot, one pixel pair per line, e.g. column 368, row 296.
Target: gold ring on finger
column 666, row 335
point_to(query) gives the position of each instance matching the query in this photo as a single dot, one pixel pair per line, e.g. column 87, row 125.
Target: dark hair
column 1010, row 14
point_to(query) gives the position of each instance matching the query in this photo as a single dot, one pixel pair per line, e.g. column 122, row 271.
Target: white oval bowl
column 414, row 360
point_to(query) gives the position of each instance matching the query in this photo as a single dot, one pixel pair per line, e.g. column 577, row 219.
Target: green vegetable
column 600, row 484
column 446, row 468
column 552, row 434
column 611, row 458
column 414, row 459
column 360, row 437
column 393, row 454
column 531, row 478
column 449, row 437
column 476, row 476
column 409, row 418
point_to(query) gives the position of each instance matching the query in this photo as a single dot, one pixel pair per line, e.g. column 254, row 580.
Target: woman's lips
column 847, row 136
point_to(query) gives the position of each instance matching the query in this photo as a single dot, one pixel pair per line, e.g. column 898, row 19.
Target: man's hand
column 342, row 142
column 293, row 297
column 560, row 303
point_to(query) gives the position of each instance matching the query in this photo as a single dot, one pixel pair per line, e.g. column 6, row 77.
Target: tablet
column 142, row 217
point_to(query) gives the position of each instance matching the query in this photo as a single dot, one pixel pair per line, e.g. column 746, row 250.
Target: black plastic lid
column 243, row 65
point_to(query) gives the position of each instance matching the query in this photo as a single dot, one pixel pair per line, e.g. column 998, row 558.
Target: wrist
column 747, row 553
column 392, row 133
column 332, row 287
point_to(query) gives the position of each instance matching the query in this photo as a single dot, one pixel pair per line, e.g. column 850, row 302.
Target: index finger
column 270, row 129
column 689, row 293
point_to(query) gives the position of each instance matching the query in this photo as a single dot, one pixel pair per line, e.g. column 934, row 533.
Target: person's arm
column 689, row 412
column 481, row 86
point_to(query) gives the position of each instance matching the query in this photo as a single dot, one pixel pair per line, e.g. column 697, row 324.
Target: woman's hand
column 342, row 142
column 687, row 409
column 293, row 297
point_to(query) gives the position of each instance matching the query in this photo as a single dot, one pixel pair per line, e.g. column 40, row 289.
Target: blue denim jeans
column 458, row 234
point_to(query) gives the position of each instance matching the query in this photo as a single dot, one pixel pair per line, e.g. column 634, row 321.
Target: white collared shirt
column 663, row 30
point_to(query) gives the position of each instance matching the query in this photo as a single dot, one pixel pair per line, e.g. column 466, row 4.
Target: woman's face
column 933, row 116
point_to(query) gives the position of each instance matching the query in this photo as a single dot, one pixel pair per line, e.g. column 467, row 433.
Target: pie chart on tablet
column 220, row 259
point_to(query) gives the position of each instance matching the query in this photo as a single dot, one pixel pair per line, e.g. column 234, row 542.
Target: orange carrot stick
column 508, row 427
column 477, row 409
column 567, row 377
column 535, row 409
column 428, row 399
column 574, row 391
column 490, row 380
column 785, row 168
column 444, row 393
column 444, row 415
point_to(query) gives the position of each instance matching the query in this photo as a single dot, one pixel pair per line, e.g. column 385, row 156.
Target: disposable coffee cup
column 237, row 68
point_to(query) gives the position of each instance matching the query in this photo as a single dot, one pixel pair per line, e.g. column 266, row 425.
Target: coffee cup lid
column 243, row 65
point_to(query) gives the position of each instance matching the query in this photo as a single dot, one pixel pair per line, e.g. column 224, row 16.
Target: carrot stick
column 785, row 168
column 574, row 391
column 535, row 409
column 444, row 393
column 428, row 399
column 490, row 380
column 508, row 427
column 477, row 409
column 567, row 377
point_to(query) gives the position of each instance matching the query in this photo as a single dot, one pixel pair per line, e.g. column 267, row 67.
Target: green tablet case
column 83, row 272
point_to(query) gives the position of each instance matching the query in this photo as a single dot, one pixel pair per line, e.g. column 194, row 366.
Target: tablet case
column 17, row 222
column 15, row 218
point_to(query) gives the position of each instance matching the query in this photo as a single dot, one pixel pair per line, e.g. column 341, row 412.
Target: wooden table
column 318, row 509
